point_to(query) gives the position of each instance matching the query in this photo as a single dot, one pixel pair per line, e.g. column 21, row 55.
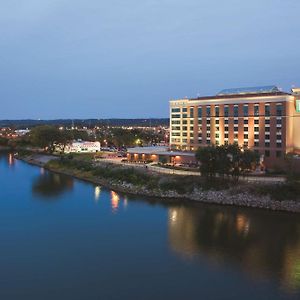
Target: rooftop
column 250, row 90
column 247, row 92
column 158, row 151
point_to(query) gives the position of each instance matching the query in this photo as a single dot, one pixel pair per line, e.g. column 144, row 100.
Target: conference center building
column 264, row 119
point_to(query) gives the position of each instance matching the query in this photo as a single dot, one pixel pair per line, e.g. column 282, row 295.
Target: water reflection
column 248, row 238
column 97, row 193
column 11, row 159
column 115, row 199
column 51, row 185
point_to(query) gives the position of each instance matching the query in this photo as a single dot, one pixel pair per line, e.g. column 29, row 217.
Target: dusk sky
column 127, row 59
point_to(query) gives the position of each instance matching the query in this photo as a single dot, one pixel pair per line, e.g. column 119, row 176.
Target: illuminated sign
column 298, row 106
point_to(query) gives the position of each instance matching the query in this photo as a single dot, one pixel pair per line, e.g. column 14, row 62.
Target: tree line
column 226, row 160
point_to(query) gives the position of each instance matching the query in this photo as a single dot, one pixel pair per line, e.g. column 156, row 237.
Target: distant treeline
column 85, row 122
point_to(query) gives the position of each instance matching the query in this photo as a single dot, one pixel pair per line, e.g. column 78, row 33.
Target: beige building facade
column 263, row 119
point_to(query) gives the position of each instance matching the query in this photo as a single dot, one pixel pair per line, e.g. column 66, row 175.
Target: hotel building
column 263, row 119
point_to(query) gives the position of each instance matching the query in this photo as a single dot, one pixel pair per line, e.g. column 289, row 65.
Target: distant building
column 83, row 147
column 160, row 154
column 21, row 132
column 264, row 119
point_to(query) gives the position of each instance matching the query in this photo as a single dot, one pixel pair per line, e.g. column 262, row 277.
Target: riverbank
column 146, row 183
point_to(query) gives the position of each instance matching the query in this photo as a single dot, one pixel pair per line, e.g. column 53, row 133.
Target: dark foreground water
column 61, row 238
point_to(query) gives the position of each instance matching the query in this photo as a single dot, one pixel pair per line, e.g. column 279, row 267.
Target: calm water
column 61, row 238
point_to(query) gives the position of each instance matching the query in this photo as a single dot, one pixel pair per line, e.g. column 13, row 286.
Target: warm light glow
column 10, row 159
column 97, row 193
column 173, row 216
column 115, row 199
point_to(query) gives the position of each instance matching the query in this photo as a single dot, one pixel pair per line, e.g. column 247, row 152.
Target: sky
column 127, row 59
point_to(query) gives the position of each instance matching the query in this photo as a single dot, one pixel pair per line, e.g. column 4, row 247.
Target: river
column 62, row 238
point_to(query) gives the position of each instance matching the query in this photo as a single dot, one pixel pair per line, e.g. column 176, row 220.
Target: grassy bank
column 144, row 179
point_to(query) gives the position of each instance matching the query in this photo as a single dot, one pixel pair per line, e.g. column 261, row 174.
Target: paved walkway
column 157, row 169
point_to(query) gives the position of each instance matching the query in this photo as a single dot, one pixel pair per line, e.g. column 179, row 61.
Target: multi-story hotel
column 264, row 119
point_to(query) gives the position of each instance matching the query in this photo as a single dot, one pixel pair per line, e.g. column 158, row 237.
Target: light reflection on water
column 115, row 200
column 262, row 245
column 252, row 240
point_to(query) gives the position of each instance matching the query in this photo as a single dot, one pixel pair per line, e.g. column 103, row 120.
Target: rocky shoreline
column 231, row 196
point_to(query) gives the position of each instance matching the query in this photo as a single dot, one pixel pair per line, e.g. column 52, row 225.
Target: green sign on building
column 298, row 106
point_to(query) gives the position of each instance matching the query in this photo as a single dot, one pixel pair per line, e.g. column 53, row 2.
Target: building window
column 236, row 129
column 175, row 110
column 256, row 122
column 235, row 111
column 267, row 110
column 245, row 128
column 175, row 127
column 278, row 145
column 184, row 127
column 279, row 110
column 267, row 144
column 226, row 128
column 245, row 110
column 236, row 122
column 192, row 112
column 217, row 111
column 208, row 142
column 267, row 129
column 184, row 122
column 208, row 121
column 278, row 136
column 256, row 110
column 217, row 121
column 217, row 135
column 226, row 111
column 267, row 121
column 235, row 136
column 184, row 115
column 208, row 134
column 267, row 153
column 245, row 121
column 184, row 134
column 226, row 135
column 256, row 144
column 245, row 144
column 246, row 136
column 278, row 154
column 208, row 111
column 176, row 122
column 226, row 121
column 199, row 112
column 256, row 129
column 267, row 136
column 177, row 116
column 191, row 122
column 256, row 136
column 199, row 121
column 278, row 121
column 184, row 109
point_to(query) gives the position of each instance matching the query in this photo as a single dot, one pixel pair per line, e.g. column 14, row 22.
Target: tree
column 208, row 160
column 226, row 160
column 47, row 136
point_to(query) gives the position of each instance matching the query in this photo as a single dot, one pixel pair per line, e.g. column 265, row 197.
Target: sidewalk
column 161, row 170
